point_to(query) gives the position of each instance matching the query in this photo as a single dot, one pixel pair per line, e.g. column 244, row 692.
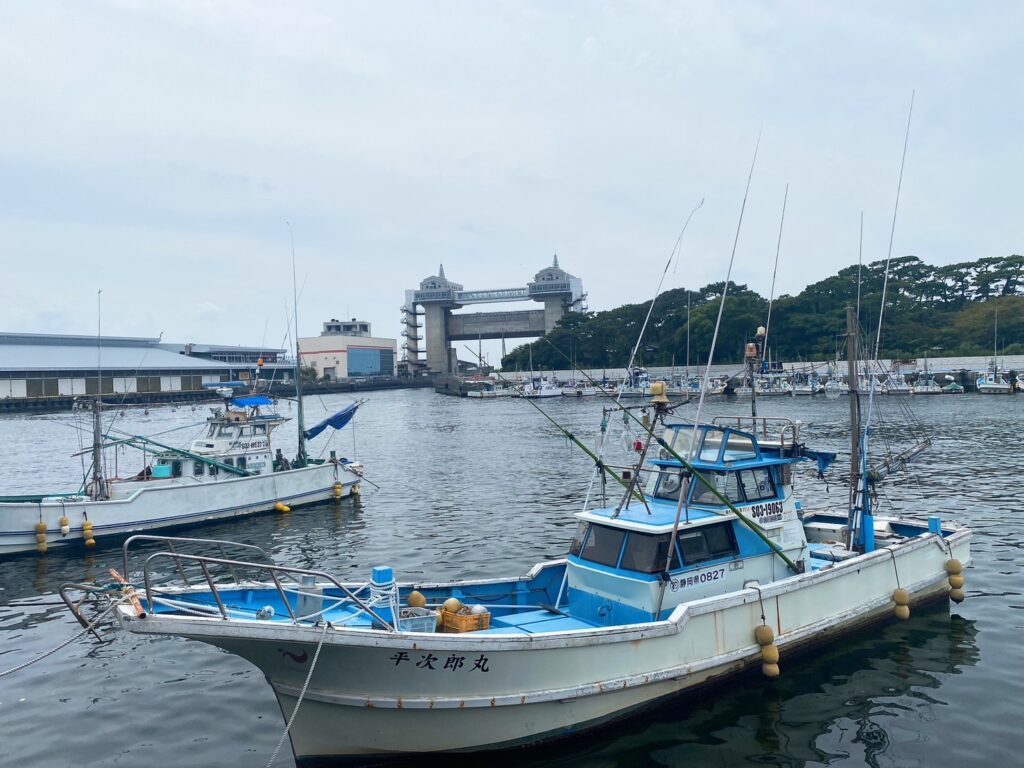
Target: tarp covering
column 338, row 420
column 252, row 401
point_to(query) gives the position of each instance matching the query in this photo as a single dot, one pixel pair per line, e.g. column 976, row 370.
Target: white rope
column 65, row 644
column 302, row 695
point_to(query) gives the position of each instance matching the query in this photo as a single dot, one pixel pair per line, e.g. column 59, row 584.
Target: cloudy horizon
column 159, row 151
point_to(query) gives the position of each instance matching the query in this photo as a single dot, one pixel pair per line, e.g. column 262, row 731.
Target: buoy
column 65, row 525
column 41, row 538
column 40, row 527
column 90, row 540
column 957, row 595
column 770, row 654
column 771, row 671
column 764, row 635
column 41, row 546
column 901, row 597
column 415, row 599
column 355, row 490
column 337, row 490
column 452, row 605
column 901, row 612
column 954, row 567
column 956, row 581
column 280, row 507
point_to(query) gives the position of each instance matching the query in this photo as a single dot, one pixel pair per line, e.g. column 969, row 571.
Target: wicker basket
column 464, row 621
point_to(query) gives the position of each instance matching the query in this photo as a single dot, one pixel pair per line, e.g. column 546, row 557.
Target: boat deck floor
column 534, row 622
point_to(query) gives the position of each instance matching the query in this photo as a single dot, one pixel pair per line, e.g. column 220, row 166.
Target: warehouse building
column 36, row 365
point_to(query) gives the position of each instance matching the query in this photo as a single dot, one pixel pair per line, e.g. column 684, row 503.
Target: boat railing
column 764, row 428
column 304, row 578
column 221, row 546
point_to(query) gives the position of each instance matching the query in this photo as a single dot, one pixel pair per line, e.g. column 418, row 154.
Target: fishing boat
column 993, row 382
column 538, row 388
column 805, row 385
column 230, row 471
column 706, row 564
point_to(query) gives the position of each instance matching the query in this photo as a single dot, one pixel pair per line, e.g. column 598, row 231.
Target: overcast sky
column 156, row 150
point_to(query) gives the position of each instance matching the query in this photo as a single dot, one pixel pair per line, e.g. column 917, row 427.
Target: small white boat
column 231, row 471
column 927, row 385
column 542, row 388
column 993, row 383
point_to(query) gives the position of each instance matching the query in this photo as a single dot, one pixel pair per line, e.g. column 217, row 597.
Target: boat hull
column 163, row 505
column 389, row 694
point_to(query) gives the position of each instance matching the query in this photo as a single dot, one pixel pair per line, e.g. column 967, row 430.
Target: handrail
column 170, row 541
column 271, row 569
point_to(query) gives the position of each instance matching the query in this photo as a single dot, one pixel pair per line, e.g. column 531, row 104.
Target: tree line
column 930, row 311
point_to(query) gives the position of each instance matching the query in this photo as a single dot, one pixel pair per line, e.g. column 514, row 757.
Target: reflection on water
column 483, row 489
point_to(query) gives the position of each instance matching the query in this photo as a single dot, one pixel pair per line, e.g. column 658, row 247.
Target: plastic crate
column 417, row 620
column 464, row 621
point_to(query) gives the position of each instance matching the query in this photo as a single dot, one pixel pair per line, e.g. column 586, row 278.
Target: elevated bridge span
column 430, row 351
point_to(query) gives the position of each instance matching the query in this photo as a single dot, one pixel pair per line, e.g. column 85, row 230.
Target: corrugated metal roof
column 51, row 357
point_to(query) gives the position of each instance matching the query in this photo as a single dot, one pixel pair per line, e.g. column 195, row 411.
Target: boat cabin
column 621, row 556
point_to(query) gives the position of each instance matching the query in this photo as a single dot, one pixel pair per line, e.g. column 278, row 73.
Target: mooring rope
column 92, row 625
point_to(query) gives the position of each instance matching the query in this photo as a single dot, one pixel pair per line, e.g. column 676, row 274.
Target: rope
column 302, row 695
column 65, row 644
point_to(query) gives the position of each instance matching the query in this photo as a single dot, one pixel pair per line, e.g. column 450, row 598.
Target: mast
column 851, row 372
column 99, row 490
column 300, row 456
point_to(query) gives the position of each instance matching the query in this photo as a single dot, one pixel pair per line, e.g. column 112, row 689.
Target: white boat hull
column 161, row 504
column 373, row 693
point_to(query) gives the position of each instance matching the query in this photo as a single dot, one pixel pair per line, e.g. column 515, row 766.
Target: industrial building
column 346, row 350
column 34, row 365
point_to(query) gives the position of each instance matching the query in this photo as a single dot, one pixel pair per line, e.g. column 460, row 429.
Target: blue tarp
column 252, row 401
column 338, row 420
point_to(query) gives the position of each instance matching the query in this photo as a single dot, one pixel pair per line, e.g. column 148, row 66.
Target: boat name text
column 453, row 663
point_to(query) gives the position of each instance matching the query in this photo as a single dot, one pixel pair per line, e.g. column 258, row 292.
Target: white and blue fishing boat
column 705, row 565
column 230, row 471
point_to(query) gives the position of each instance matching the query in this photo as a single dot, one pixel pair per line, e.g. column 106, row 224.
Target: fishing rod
column 865, row 518
column 598, row 463
column 673, row 254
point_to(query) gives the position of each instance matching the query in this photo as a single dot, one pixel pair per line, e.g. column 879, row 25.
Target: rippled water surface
column 484, row 489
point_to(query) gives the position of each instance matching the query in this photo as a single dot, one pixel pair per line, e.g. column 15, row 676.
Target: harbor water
column 477, row 489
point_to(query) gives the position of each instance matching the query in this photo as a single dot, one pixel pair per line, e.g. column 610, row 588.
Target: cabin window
column 175, row 469
column 241, row 462
column 213, row 470
column 668, row 486
column 197, row 468
column 709, row 542
column 603, row 545
column 229, row 462
column 577, row 541
column 726, row 483
column 647, row 552
column 227, row 431
column 757, row 484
